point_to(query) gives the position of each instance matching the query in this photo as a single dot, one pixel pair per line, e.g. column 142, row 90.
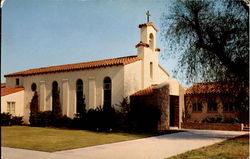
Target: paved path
column 157, row 147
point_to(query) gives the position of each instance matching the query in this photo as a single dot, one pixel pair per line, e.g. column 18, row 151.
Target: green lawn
column 237, row 148
column 53, row 139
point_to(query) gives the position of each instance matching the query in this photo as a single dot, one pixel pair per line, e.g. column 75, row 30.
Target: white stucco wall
column 148, row 55
column 173, row 86
column 162, row 76
column 18, row 98
column 132, row 78
column 67, row 80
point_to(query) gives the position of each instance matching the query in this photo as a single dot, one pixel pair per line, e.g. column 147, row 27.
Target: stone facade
column 160, row 98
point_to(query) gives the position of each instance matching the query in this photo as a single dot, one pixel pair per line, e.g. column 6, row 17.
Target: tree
column 56, row 104
column 34, row 106
column 210, row 39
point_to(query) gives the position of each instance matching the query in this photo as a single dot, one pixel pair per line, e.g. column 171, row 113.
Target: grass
column 236, row 148
column 53, row 139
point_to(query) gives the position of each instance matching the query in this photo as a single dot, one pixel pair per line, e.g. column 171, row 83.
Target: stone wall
column 159, row 98
column 161, row 95
column 213, row 126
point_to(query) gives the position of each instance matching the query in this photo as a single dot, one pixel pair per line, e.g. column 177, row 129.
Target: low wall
column 213, row 126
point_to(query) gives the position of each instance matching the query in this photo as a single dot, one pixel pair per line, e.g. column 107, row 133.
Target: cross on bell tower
column 148, row 14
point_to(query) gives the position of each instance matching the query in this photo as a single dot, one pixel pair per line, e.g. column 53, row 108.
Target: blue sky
column 39, row 33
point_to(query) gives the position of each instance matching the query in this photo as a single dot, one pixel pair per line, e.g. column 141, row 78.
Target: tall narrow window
column 151, row 41
column 56, row 105
column 107, row 90
column 151, row 70
column 212, row 107
column 33, row 87
column 17, row 82
column 80, row 102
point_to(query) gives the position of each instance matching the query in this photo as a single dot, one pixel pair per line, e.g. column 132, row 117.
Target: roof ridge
column 78, row 66
column 81, row 62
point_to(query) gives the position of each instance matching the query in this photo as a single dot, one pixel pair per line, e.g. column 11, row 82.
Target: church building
column 103, row 82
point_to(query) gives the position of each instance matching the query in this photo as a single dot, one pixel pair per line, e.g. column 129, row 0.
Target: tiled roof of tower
column 10, row 90
column 3, row 85
column 78, row 66
column 213, row 88
column 148, row 24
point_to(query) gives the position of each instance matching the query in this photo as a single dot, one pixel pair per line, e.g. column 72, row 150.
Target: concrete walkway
column 158, row 147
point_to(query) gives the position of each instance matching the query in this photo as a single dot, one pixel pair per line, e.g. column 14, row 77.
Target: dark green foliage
column 209, row 38
column 34, row 106
column 16, row 120
column 7, row 119
column 220, row 119
column 56, row 104
column 125, row 106
column 131, row 118
column 79, row 121
column 102, row 119
column 41, row 119
column 64, row 121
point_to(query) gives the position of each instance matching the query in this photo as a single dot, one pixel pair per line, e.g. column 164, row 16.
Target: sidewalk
column 158, row 147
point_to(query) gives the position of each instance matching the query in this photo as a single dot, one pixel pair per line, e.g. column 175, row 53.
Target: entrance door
column 174, row 111
column 171, row 114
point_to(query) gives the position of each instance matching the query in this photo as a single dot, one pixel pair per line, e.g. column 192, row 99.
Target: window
column 151, row 70
column 228, row 107
column 11, row 107
column 17, row 82
column 80, row 101
column 212, row 107
column 151, row 41
column 197, row 107
column 107, row 91
column 55, row 96
column 33, row 87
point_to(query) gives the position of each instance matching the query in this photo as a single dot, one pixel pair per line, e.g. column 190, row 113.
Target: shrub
column 101, row 119
column 41, row 118
column 79, row 121
column 220, row 119
column 16, row 120
column 64, row 121
column 5, row 119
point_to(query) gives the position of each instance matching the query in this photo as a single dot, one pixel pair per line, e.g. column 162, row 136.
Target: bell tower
column 147, row 51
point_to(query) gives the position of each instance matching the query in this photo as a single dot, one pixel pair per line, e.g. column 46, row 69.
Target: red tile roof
column 213, row 88
column 157, row 49
column 10, row 90
column 3, row 85
column 148, row 24
column 77, row 66
column 145, row 92
column 141, row 44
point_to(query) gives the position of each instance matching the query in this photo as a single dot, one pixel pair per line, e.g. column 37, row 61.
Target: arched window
column 151, row 70
column 80, row 101
column 151, row 41
column 33, row 87
column 107, row 90
column 55, row 95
